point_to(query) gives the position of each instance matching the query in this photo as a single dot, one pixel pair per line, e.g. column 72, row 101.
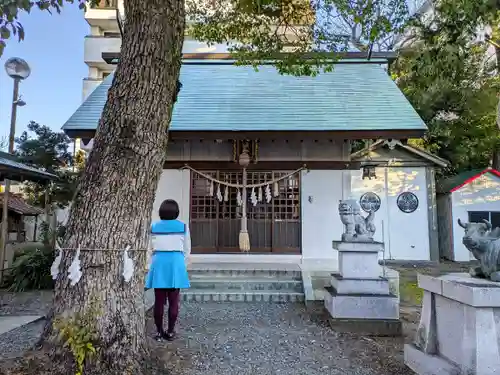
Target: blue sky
column 53, row 47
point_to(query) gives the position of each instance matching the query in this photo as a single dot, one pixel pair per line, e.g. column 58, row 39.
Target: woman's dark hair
column 169, row 210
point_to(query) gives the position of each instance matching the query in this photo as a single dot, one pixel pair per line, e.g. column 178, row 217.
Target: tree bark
column 496, row 150
column 113, row 203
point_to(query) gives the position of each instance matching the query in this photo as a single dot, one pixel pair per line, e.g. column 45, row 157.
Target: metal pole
column 5, row 209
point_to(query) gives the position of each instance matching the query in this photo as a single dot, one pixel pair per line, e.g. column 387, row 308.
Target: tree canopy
column 51, row 151
column 449, row 77
column 309, row 31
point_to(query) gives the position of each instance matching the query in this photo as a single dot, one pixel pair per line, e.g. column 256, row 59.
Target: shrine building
column 294, row 136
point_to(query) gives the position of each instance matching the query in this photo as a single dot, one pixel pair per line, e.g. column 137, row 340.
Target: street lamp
column 18, row 70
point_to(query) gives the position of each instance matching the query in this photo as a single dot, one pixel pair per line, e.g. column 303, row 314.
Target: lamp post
column 18, row 70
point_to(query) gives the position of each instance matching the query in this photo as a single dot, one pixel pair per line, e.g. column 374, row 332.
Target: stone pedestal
column 459, row 331
column 358, row 299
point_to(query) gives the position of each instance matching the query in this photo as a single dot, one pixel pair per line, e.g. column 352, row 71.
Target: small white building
column 471, row 196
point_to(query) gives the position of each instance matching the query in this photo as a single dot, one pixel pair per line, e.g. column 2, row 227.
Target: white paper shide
column 54, row 269
column 75, row 270
column 128, row 266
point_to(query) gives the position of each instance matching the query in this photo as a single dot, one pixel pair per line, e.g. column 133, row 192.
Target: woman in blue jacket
column 168, row 271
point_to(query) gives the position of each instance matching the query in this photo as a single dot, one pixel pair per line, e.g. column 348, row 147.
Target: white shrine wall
column 321, row 191
column 405, row 235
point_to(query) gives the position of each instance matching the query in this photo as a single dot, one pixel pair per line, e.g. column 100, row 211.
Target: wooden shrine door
column 273, row 227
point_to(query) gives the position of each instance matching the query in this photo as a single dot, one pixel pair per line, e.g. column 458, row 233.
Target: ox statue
column 484, row 243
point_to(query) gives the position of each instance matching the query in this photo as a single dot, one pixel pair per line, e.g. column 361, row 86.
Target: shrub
column 46, row 234
column 31, row 268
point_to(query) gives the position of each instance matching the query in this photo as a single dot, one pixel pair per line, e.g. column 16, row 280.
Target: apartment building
column 104, row 36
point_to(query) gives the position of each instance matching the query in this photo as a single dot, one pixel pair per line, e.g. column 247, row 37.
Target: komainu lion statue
column 357, row 228
column 484, row 243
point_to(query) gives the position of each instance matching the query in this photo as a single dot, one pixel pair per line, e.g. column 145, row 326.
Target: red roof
column 451, row 184
column 18, row 205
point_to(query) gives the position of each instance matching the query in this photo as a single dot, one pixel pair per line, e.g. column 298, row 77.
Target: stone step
column 233, row 282
column 246, row 273
column 246, row 284
column 193, row 295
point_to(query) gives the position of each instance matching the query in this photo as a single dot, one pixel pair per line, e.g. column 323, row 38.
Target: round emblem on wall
column 369, row 202
column 407, row 202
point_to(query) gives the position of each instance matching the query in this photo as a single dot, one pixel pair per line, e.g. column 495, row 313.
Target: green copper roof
column 225, row 97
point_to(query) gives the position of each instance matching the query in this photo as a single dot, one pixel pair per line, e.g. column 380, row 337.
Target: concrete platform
column 10, row 322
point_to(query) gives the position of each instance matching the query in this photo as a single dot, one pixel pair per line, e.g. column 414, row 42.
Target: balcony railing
column 106, row 4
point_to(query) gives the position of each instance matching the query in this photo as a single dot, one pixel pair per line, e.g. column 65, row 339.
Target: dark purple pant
column 161, row 297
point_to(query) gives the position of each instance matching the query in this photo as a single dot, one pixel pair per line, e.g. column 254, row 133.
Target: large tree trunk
column 113, row 204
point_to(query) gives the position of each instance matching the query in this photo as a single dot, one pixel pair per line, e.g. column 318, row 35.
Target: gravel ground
column 247, row 339
column 14, row 343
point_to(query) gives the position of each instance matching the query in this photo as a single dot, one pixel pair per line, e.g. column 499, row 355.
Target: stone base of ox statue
column 359, row 300
column 459, row 331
